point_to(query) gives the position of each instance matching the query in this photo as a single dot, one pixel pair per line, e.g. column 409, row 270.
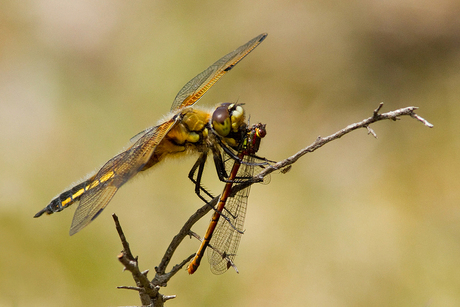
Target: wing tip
column 76, row 228
column 262, row 36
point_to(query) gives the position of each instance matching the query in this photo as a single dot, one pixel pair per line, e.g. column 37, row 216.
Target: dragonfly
column 186, row 130
column 223, row 235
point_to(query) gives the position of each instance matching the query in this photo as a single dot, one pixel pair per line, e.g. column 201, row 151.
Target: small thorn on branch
column 195, row 235
column 145, row 272
column 286, row 169
column 130, row 288
column 371, row 131
column 168, row 297
column 376, row 111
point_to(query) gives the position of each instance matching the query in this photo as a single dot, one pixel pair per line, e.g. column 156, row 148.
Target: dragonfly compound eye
column 237, row 117
column 221, row 120
column 260, row 131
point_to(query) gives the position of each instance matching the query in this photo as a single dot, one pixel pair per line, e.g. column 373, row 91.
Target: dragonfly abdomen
column 65, row 199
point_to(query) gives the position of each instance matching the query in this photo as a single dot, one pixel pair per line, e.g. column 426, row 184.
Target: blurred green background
column 360, row 222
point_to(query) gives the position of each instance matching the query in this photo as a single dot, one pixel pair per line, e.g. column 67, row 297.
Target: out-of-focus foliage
column 361, row 222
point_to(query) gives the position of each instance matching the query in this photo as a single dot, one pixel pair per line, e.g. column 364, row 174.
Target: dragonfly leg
column 232, row 155
column 199, row 165
column 222, row 173
column 229, row 220
column 220, row 166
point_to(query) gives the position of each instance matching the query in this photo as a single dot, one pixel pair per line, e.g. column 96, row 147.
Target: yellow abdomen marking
column 93, row 184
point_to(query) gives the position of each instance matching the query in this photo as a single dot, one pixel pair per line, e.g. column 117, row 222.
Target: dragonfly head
column 228, row 118
column 252, row 139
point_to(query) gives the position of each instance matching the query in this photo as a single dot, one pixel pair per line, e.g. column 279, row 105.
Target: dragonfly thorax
column 191, row 127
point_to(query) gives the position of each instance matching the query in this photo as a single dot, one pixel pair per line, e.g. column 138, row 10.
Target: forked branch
column 149, row 290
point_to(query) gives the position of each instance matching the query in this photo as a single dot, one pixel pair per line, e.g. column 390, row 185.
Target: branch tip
column 421, row 119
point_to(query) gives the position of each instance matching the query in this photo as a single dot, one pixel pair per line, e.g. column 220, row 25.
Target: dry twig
column 149, row 290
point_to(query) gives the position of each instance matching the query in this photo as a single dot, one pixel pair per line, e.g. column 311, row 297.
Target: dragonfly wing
column 200, row 84
column 100, row 188
column 90, row 207
column 227, row 236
